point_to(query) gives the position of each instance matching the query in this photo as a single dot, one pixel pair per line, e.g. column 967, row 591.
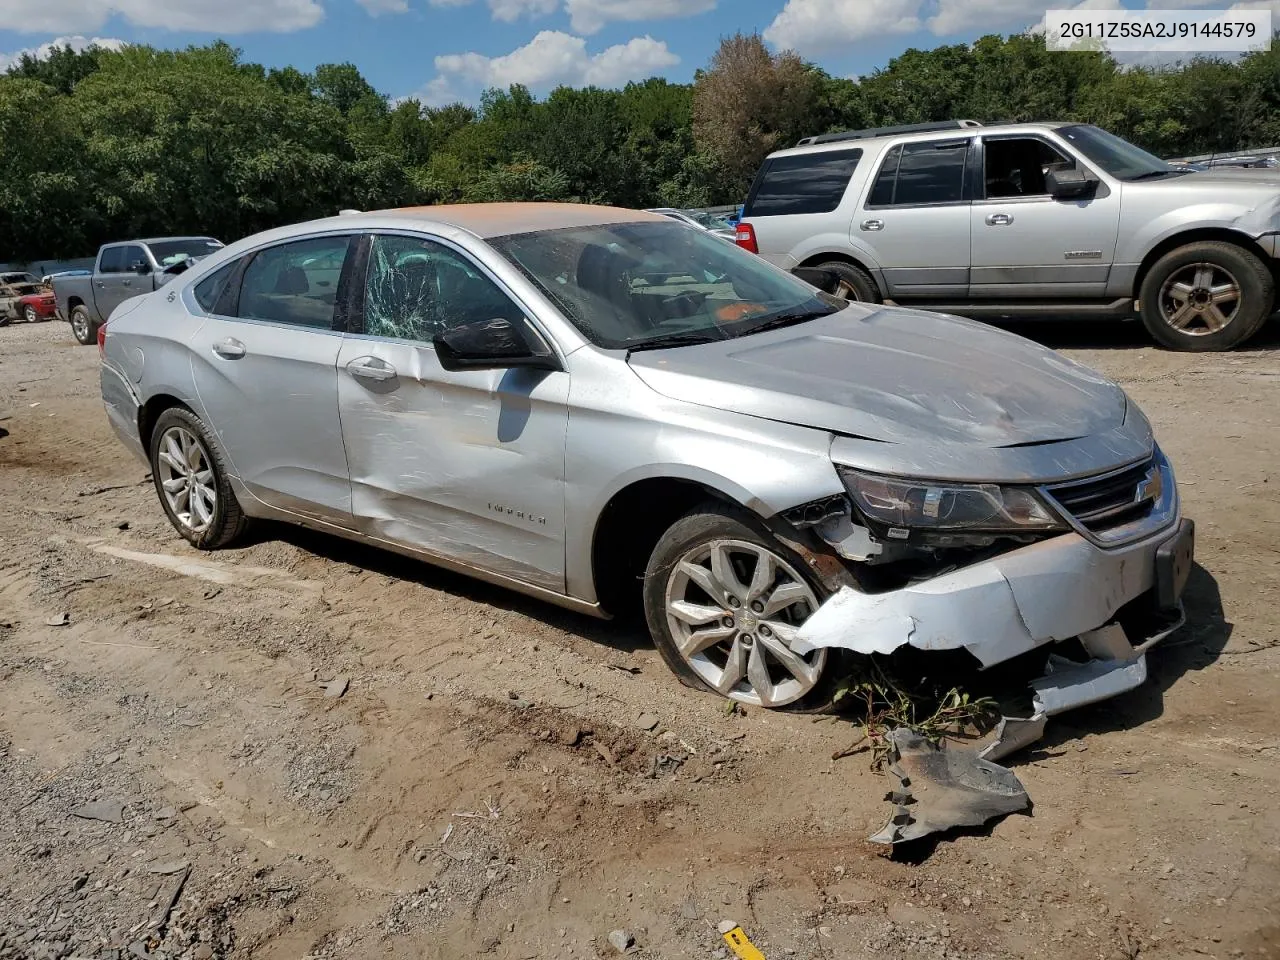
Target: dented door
column 466, row 465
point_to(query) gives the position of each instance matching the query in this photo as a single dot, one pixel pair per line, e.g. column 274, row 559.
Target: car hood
column 894, row 375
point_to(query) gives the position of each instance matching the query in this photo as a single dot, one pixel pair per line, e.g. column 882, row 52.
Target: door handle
column 229, row 349
column 99, row 283
column 999, row 219
column 872, row 225
column 371, row 368
column 126, row 283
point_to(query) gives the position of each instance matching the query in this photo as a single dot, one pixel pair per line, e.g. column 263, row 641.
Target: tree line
column 102, row 145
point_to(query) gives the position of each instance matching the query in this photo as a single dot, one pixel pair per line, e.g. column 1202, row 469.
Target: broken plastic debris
column 1012, row 734
column 1067, row 684
column 941, row 788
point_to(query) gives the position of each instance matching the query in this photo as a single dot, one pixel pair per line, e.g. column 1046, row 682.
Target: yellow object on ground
column 740, row 945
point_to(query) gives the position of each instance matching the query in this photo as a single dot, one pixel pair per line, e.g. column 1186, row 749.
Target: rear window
column 806, row 183
column 921, row 173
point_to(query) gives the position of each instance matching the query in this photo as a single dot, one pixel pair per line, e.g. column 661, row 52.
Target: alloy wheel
column 29, row 314
column 80, row 326
column 733, row 609
column 1200, row 299
column 186, row 477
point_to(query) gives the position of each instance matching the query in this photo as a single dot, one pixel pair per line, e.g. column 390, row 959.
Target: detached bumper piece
column 941, row 788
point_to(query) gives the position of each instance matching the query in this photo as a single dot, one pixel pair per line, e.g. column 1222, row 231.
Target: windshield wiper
column 685, row 339
column 787, row 320
column 1152, row 174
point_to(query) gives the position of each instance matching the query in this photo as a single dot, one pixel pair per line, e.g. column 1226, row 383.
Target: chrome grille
column 1099, row 504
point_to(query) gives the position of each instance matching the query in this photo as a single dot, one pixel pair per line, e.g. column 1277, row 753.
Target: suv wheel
column 83, row 328
column 853, row 283
column 1206, row 296
column 723, row 600
column 191, row 479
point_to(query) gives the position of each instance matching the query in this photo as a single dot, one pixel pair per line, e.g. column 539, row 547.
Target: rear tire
column 83, row 327
column 723, row 624
column 854, row 283
column 190, row 476
column 1206, row 296
column 29, row 314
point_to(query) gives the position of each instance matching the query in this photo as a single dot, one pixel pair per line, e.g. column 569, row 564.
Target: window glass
column 1016, row 167
column 806, row 183
column 637, row 285
column 134, row 256
column 1120, row 158
column 112, row 260
column 209, row 290
column 295, row 283
column 416, row 288
column 882, row 191
column 169, row 252
column 931, row 172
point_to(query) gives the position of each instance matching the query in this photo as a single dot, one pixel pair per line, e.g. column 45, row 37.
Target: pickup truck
column 121, row 272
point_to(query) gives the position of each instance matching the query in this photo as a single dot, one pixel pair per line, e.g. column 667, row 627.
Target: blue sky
column 444, row 50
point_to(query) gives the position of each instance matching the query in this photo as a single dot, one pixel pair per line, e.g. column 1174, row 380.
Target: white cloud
column 550, row 59
column 378, row 7
column 822, row 26
column 509, row 11
column 226, row 17
column 76, row 43
column 448, row 3
column 589, row 16
column 967, row 16
column 1039, row 26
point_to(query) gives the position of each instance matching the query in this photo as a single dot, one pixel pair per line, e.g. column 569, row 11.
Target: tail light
column 102, row 340
column 746, row 238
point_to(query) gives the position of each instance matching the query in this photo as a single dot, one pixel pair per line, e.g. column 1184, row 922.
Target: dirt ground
column 484, row 786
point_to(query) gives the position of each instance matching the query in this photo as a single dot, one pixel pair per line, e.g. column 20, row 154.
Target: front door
column 265, row 367
column 1028, row 245
column 117, row 279
column 915, row 219
column 466, row 465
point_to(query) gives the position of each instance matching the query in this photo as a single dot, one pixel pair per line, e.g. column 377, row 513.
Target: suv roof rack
column 888, row 131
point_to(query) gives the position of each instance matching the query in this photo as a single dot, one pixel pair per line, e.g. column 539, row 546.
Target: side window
column 416, row 288
column 208, row 291
column 111, row 260
column 920, row 173
column 295, row 283
column 805, row 183
column 134, row 257
column 1016, row 166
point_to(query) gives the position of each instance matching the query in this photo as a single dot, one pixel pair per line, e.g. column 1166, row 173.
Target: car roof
column 486, row 220
column 948, row 134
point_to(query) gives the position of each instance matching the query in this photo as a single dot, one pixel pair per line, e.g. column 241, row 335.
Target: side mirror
column 496, row 344
column 142, row 268
column 1069, row 184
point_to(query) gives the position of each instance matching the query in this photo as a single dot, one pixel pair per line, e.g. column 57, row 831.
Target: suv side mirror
column 1069, row 184
column 141, row 268
column 496, row 344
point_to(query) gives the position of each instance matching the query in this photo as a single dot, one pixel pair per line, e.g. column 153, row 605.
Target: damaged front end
column 999, row 571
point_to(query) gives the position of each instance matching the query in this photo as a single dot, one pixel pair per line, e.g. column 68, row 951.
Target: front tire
column 1206, row 296
column 29, row 314
column 83, row 327
column 190, row 475
column 723, row 600
column 853, row 283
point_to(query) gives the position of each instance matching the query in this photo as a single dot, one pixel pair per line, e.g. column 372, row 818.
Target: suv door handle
column 872, row 225
column 999, row 219
column 229, row 349
column 371, row 368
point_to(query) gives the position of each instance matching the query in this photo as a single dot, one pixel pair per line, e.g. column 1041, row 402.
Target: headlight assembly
column 944, row 507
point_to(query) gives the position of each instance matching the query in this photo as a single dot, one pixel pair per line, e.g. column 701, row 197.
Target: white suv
column 1024, row 219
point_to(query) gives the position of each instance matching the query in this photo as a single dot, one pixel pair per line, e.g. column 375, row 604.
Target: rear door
column 265, row 367
column 915, row 219
column 1026, row 244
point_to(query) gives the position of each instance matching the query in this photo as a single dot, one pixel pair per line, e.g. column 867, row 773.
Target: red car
column 37, row 306
column 25, row 297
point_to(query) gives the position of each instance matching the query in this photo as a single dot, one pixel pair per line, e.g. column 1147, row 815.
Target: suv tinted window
column 295, row 283
column 1016, row 166
column 917, row 173
column 209, row 289
column 807, row 183
column 111, row 260
column 416, row 288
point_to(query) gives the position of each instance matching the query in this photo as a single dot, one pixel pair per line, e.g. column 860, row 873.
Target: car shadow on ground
column 626, row 634
column 1197, row 645
column 1112, row 333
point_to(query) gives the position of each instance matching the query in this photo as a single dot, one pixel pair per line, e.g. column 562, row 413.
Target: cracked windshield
column 649, row 285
